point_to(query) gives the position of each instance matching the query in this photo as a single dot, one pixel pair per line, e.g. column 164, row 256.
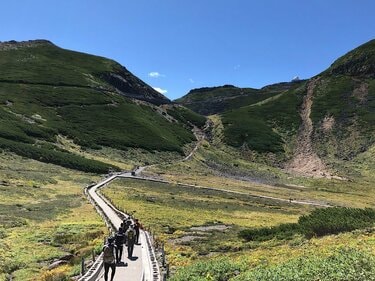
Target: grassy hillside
column 343, row 114
column 214, row 100
column 342, row 101
column 264, row 127
column 41, row 62
column 187, row 116
column 46, row 91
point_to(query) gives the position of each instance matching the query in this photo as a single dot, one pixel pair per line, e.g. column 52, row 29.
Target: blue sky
column 177, row 45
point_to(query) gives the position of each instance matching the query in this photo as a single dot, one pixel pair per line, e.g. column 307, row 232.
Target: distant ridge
column 212, row 100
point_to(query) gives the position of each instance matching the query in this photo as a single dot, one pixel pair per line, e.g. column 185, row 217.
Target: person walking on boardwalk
column 130, row 237
column 127, row 223
column 137, row 227
column 119, row 242
column 109, row 258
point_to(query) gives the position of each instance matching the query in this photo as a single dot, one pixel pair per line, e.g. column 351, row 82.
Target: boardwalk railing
column 151, row 270
column 93, row 273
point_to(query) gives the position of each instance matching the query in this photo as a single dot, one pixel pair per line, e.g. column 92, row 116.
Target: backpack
column 108, row 255
column 130, row 234
column 119, row 239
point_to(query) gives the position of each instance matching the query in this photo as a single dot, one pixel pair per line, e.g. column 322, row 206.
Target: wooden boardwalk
column 135, row 268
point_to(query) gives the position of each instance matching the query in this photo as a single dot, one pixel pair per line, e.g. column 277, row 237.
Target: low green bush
column 185, row 115
column 283, row 231
column 319, row 223
column 57, row 157
column 335, row 220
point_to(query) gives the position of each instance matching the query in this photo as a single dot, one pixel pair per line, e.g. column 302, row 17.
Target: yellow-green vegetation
column 216, row 165
column 203, row 226
column 226, row 168
column 194, row 221
column 44, row 216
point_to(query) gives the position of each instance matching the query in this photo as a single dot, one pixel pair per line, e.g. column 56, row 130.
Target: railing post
column 82, row 266
column 163, row 254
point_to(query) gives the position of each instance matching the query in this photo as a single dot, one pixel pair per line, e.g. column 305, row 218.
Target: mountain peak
column 12, row 44
column 42, row 62
column 358, row 62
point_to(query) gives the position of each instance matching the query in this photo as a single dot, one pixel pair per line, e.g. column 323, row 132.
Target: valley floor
column 200, row 227
column 45, row 217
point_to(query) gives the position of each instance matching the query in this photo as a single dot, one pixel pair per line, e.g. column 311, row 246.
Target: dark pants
column 137, row 236
column 119, row 250
column 106, row 270
column 130, row 249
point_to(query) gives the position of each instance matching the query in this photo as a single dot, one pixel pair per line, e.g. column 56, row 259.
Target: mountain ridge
column 48, row 93
column 110, row 75
column 327, row 120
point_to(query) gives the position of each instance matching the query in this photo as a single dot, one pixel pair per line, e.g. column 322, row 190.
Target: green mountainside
column 325, row 120
column 279, row 183
column 212, row 100
column 46, row 91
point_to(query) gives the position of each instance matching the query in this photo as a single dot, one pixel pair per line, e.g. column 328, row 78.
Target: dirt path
column 200, row 136
column 291, row 200
column 305, row 160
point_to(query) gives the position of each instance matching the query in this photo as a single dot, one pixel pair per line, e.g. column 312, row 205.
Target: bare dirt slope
column 305, row 160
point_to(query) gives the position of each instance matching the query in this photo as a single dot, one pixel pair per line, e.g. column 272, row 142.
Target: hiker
column 109, row 258
column 119, row 242
column 137, row 227
column 130, row 237
column 126, row 223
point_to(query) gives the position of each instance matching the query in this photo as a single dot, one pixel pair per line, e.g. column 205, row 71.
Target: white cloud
column 155, row 74
column 191, row 80
column 160, row 90
column 236, row 67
